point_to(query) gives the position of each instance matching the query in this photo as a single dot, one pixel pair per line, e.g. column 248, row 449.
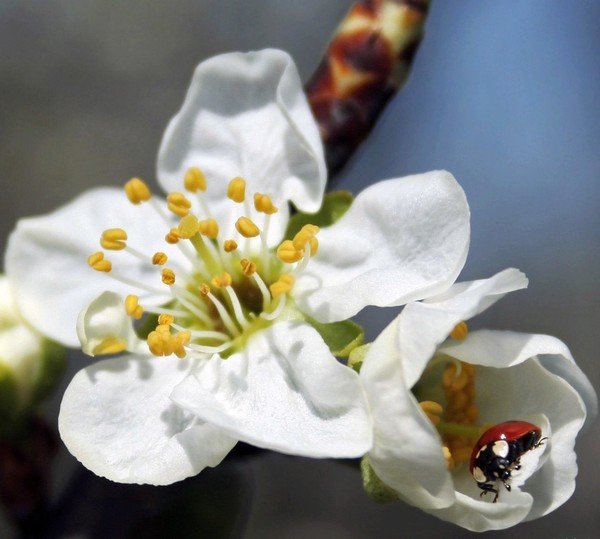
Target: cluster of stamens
column 456, row 421
column 235, row 283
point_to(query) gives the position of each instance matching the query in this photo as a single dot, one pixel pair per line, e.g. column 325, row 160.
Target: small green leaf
column 334, row 205
column 341, row 337
column 375, row 487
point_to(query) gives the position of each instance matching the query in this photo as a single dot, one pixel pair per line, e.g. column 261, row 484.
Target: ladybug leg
column 487, row 487
column 541, row 442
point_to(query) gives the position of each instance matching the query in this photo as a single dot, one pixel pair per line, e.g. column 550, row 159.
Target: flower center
column 456, row 421
column 233, row 284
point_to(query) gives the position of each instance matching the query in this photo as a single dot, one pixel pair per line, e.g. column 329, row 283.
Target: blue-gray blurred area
column 505, row 95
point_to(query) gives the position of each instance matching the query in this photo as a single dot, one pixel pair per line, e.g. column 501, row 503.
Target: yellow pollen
column 264, row 204
column 432, row 410
column 178, row 204
column 460, row 331
column 209, row 228
column 110, row 345
column 204, row 289
column 179, row 341
column 113, row 239
column 188, row 226
column 282, row 286
column 307, row 235
column 133, row 308
column 229, row 245
column 97, row 262
column 173, row 236
column 160, row 342
column 247, row 228
column 286, row 252
column 137, row 191
column 165, row 319
column 248, row 267
column 159, row 258
column 168, row 276
column 220, row 281
column 194, row 180
column 236, row 190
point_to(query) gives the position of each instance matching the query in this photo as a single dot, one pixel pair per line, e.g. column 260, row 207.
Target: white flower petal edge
column 245, row 114
column 424, row 325
column 284, row 392
column 46, row 259
column 117, row 419
column 515, row 384
column 406, row 451
column 401, row 240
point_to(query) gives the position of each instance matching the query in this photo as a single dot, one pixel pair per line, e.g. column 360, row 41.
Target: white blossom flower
column 433, row 396
column 234, row 307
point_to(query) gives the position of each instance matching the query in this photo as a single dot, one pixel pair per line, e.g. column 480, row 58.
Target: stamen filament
column 191, row 303
column 237, row 307
column 210, row 349
column 455, row 429
column 203, row 334
column 277, row 311
column 266, row 295
column 229, row 323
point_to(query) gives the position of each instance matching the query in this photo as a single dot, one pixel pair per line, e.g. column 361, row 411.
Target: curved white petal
column 46, row 259
column 104, row 319
column 285, row 392
column 407, row 451
column 245, row 114
column 425, row 325
column 401, row 240
column 117, row 419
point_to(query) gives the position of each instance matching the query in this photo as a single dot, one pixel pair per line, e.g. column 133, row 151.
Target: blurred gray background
column 503, row 94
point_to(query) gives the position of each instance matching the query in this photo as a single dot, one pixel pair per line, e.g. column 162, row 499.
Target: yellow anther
column 165, row 319
column 248, row 267
column 113, row 239
column 137, row 191
column 230, row 245
column 173, row 236
column 159, row 258
column 246, row 227
column 448, row 457
column 220, row 281
column 209, row 228
column 188, row 226
column 282, row 286
column 236, row 190
column 133, row 308
column 160, row 343
column 194, row 180
column 97, row 262
column 307, row 234
column 178, row 204
column 168, row 276
column 286, row 252
column 264, row 204
column 432, row 410
column 110, row 345
column 460, row 331
column 179, row 341
column 204, row 289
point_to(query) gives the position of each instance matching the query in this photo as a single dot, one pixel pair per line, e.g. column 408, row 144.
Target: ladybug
column 498, row 453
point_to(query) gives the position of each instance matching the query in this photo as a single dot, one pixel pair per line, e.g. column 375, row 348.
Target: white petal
column 105, row 318
column 401, row 240
column 245, row 114
column 425, row 325
column 117, row 419
column 46, row 260
column 285, row 392
column 407, row 451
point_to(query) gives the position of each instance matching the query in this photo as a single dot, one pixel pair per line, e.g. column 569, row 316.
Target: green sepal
column 341, row 337
column 357, row 356
column 334, row 205
column 375, row 487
